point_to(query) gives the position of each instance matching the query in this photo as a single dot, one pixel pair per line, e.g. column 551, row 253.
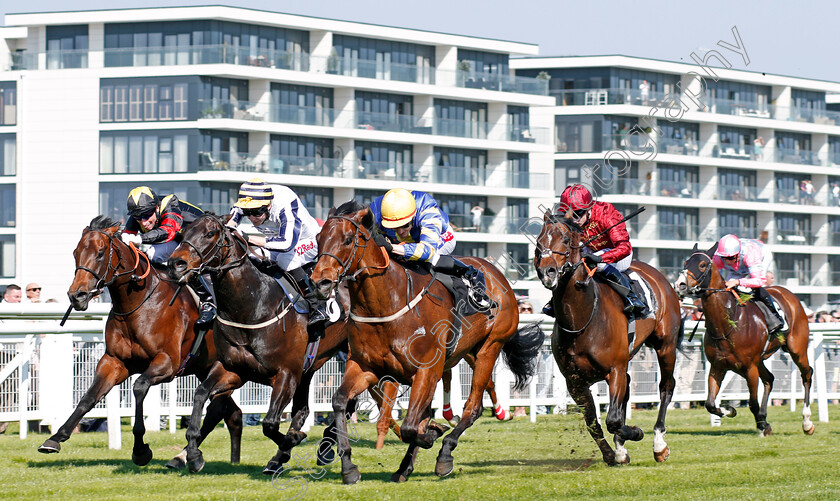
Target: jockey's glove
column 382, row 241
column 131, row 238
column 591, row 258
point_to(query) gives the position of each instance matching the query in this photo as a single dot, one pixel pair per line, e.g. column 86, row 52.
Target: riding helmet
column 253, row 194
column 141, row 201
column 728, row 246
column 398, row 208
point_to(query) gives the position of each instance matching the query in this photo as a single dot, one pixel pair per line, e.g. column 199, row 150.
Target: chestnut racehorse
column 402, row 323
column 259, row 335
column 590, row 338
column 736, row 337
column 143, row 335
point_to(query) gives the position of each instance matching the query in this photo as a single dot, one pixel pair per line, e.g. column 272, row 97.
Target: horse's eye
column 566, row 240
column 702, row 266
column 100, row 254
column 210, row 234
column 348, row 239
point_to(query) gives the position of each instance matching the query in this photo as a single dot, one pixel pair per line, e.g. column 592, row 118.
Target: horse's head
column 205, row 243
column 698, row 272
column 97, row 258
column 558, row 249
column 341, row 245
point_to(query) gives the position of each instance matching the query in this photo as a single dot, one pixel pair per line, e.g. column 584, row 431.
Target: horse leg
column 799, row 355
column 110, row 372
column 482, row 370
column 386, row 400
column 217, row 382
column 325, row 454
column 667, row 361
column 282, row 388
column 413, row 432
column 619, row 386
column 498, row 412
column 221, row 407
column 579, row 391
column 759, row 411
column 715, row 377
column 356, row 380
column 159, row 369
column 448, row 415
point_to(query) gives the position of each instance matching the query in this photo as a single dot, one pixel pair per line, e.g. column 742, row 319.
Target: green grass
column 553, row 459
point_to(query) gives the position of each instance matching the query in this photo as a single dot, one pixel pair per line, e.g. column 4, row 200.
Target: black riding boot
column 207, row 305
column 621, row 284
column 317, row 307
column 776, row 324
column 548, row 309
column 478, row 288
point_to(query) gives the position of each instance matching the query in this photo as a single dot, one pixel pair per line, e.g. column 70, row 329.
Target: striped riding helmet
column 253, row 194
column 142, row 201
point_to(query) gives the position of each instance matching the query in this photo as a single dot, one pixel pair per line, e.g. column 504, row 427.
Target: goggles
column 257, row 211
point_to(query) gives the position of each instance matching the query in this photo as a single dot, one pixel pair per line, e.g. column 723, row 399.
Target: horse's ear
column 695, row 248
column 367, row 218
column 711, row 252
column 547, row 215
column 226, row 218
column 332, row 211
column 112, row 230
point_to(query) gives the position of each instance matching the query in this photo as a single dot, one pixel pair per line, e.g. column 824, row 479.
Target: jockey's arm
column 431, row 237
column 619, row 242
column 170, row 225
column 289, row 229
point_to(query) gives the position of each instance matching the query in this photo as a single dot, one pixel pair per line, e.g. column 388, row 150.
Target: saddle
column 293, row 292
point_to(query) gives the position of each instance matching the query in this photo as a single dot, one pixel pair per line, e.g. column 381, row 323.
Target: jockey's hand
column 255, row 240
column 231, row 224
column 732, row 283
column 131, row 238
column 398, row 249
column 382, row 241
column 591, row 258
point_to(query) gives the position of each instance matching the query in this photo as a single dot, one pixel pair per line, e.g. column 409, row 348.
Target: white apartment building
column 196, row 100
column 752, row 154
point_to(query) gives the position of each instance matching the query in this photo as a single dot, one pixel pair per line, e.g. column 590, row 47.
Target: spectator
column 835, row 193
column 644, row 91
column 13, row 294
column 477, row 212
column 33, row 293
column 771, row 277
column 758, row 146
column 808, row 192
column 525, row 307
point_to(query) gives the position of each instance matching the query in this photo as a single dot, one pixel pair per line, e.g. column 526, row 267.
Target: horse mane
column 558, row 218
column 349, row 207
column 101, row 222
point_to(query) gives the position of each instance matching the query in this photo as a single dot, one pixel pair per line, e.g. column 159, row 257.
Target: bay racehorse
column 737, row 340
column 259, row 337
column 404, row 325
column 144, row 335
column 590, row 338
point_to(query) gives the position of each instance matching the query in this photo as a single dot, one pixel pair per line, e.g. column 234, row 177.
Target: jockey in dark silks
column 611, row 251
column 154, row 221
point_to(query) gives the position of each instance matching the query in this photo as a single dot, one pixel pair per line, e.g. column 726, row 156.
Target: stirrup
column 317, row 316
column 548, row 309
column 206, row 313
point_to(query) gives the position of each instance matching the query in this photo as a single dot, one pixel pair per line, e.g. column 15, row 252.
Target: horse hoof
column 326, row 457
column 197, row 464
column 729, row 411
column 662, row 455
column 142, row 456
column 398, row 478
column 454, row 421
column 49, row 446
column 438, row 428
column 351, row 476
column 176, row 463
column 444, row 468
column 273, row 468
column 809, row 431
column 766, row 432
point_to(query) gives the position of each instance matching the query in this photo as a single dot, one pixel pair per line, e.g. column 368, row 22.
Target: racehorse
column 259, row 336
column 143, row 335
column 737, row 339
column 590, row 338
column 403, row 326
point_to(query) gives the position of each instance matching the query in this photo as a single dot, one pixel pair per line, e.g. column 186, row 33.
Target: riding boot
column 548, row 309
column 774, row 325
column 621, row 284
column 478, row 288
column 317, row 307
column 207, row 305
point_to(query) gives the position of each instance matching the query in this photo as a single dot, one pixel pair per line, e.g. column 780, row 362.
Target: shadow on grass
column 718, row 432
column 547, row 464
column 126, row 467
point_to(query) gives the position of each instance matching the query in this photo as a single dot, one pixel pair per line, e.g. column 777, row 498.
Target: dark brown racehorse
column 590, row 339
column 143, row 335
column 259, row 336
column 736, row 337
column 401, row 323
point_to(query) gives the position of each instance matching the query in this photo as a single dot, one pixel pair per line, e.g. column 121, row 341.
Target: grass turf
column 552, row 459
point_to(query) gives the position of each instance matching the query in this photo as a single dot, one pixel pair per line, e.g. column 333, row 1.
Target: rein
column 218, row 247
column 705, row 277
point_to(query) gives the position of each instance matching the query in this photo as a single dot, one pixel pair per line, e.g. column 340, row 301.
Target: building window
column 460, row 166
column 225, row 150
column 678, row 180
column 380, row 111
column 738, row 222
column 7, row 205
column 459, row 208
column 792, row 269
column 736, row 142
column 678, row 138
column 632, row 225
column 671, row 262
column 460, row 118
column 144, row 99
column 301, row 104
column 518, row 170
column 471, row 249
column 517, row 214
column 678, row 224
column 807, row 105
column 67, row 47
column 7, row 256
column 517, row 263
column 382, row 59
column 793, row 229
column 8, row 155
column 736, row 98
column 481, row 70
column 366, row 197
column 304, row 156
column 737, row 184
column 318, row 201
column 8, row 103
column 134, row 152
column 794, row 188
column 219, row 98
column 386, row 161
column 519, row 124
column 795, row 148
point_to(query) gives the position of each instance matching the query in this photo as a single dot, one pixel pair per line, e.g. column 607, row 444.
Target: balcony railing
column 824, row 117
column 393, row 122
column 794, row 237
column 678, row 189
column 741, row 231
column 794, row 156
column 206, row 54
column 460, row 128
column 274, row 164
column 740, row 108
column 501, row 82
column 364, row 68
column 676, row 146
column 738, row 193
column 594, row 97
column 682, row 231
column 793, row 277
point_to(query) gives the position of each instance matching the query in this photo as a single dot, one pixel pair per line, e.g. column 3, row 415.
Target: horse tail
column 521, row 351
column 681, row 336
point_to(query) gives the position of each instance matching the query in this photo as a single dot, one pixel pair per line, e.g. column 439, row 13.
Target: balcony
column 500, row 82
column 738, row 193
column 796, row 156
column 677, row 146
column 528, row 134
column 274, row 164
column 823, row 117
column 682, row 232
column 678, row 189
column 261, row 112
column 595, row 97
column 460, row 128
column 738, row 108
column 206, row 54
column 393, row 122
column 381, row 70
column 794, row 237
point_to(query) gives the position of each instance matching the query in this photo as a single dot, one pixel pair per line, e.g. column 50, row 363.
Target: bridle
column 362, row 234
column 228, row 240
column 546, row 252
column 702, row 280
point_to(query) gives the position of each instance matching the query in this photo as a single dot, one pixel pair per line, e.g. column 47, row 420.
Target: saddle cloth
column 643, row 291
column 334, row 309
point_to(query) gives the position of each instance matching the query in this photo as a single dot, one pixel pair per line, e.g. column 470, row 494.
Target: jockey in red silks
column 611, row 251
column 746, row 263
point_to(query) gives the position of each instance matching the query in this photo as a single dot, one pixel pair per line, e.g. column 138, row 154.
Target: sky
column 780, row 37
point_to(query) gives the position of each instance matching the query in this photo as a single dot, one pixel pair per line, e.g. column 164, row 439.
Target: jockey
column 154, row 221
column 420, row 231
column 288, row 237
column 746, row 262
column 612, row 251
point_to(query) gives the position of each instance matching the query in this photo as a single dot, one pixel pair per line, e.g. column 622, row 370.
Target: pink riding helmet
column 729, row 246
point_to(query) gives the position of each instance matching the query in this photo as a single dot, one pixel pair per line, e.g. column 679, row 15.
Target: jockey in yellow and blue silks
column 418, row 230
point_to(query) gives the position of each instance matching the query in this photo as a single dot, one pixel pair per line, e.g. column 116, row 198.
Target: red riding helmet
column 577, row 198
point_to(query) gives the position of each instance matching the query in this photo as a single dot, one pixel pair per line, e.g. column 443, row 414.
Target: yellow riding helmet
column 253, row 194
column 398, row 208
